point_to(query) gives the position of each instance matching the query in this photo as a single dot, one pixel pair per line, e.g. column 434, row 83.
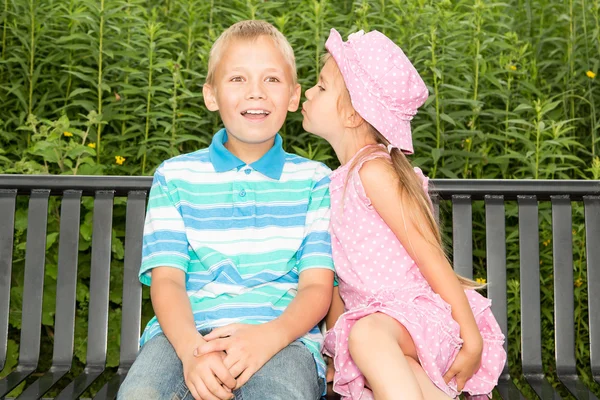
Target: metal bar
column 80, row 384
column 476, row 188
column 110, row 390
column 562, row 249
column 38, row 388
column 33, row 286
column 100, row 279
column 88, row 185
column 531, row 333
column 132, row 289
column 508, row 390
column 462, row 235
column 435, row 200
column 12, row 380
column 8, row 199
column 592, row 234
column 66, row 284
column 495, row 236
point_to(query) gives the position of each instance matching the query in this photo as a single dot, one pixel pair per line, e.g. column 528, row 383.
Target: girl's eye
column 321, row 88
column 236, row 79
column 272, row 79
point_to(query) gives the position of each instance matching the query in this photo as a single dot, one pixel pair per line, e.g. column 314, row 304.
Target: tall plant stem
column 31, row 62
column 100, row 52
column 152, row 31
column 436, row 92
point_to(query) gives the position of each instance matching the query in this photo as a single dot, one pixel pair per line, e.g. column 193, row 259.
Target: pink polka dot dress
column 376, row 274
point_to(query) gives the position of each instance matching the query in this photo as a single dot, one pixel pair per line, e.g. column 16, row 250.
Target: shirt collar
column 270, row 164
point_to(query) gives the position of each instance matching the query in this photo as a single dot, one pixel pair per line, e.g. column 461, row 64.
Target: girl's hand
column 465, row 365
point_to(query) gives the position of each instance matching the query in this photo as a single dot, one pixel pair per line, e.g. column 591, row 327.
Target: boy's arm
column 335, row 309
column 174, row 313
column 164, row 264
column 309, row 307
column 173, row 310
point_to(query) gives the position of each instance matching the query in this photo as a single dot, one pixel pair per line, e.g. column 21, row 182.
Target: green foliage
column 114, row 87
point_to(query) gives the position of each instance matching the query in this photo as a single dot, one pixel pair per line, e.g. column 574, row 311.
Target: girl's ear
column 353, row 119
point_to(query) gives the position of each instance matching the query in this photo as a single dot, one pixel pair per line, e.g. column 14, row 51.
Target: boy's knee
column 137, row 392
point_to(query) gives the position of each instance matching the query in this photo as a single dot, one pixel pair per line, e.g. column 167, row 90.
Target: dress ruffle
column 424, row 314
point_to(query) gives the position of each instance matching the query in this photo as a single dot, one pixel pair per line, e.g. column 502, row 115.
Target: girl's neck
column 350, row 143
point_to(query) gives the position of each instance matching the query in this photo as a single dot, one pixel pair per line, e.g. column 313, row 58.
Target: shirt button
column 242, row 193
column 247, row 171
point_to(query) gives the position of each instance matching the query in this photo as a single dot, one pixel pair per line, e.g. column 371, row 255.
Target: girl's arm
column 382, row 187
column 335, row 309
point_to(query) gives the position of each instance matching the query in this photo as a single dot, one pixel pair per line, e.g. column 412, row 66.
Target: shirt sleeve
column 165, row 242
column 315, row 251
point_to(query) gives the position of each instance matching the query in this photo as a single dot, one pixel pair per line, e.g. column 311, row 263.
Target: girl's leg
column 428, row 388
column 385, row 353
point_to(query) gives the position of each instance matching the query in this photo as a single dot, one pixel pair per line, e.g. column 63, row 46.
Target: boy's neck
column 248, row 152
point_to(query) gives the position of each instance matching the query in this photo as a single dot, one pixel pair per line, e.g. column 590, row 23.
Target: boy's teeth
column 256, row 112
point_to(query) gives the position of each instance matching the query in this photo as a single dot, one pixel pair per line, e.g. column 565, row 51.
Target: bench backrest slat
column 66, row 283
column 100, row 278
column 562, row 249
column 462, row 235
column 33, row 286
column 592, row 235
column 529, row 255
column 132, row 290
column 495, row 242
column 8, row 201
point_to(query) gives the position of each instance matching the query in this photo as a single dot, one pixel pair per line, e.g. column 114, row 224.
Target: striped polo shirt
column 241, row 232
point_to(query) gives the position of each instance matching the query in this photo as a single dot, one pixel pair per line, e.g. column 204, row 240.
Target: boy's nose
column 255, row 91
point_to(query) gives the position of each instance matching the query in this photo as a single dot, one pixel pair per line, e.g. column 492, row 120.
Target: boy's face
column 253, row 90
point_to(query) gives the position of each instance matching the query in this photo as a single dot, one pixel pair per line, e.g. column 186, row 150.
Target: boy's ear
column 295, row 99
column 210, row 99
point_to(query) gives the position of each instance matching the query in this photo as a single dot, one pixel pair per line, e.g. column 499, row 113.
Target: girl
column 410, row 330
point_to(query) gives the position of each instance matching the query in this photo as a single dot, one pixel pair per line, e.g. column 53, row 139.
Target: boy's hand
column 207, row 378
column 248, row 348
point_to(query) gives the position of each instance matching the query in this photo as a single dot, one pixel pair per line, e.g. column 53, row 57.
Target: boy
column 236, row 244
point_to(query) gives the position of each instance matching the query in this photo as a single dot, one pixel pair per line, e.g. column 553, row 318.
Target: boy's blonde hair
column 250, row 30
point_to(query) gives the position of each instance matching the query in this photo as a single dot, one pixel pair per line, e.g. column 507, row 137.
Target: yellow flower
column 468, row 140
column 92, row 145
column 119, row 160
column 590, row 74
column 481, row 281
column 578, row 282
column 513, row 67
column 67, row 134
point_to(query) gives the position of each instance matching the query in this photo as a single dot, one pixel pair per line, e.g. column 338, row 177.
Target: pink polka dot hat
column 385, row 88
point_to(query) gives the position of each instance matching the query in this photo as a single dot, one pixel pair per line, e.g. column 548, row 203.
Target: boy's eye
column 272, row 79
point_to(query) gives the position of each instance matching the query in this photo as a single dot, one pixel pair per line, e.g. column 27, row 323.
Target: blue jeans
column 157, row 373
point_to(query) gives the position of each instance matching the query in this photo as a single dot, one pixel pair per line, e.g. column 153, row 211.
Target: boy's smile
column 253, row 91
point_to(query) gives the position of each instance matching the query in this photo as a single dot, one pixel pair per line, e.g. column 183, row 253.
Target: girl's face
column 322, row 111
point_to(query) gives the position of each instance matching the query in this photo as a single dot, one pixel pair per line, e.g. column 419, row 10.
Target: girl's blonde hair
column 411, row 188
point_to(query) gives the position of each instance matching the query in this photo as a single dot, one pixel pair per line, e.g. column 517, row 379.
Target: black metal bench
column 461, row 193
